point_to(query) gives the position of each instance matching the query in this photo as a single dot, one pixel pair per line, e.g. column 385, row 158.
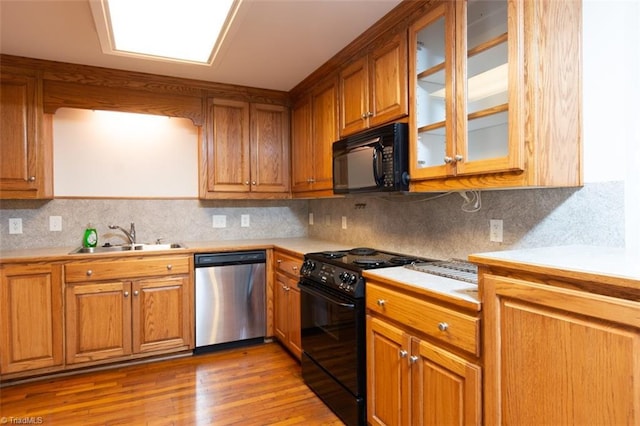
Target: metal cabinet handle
column 458, row 157
column 413, row 359
column 126, row 294
column 32, row 178
column 403, row 354
column 279, row 260
column 246, row 182
column 135, row 293
column 295, row 268
column 443, row 326
column 369, row 114
column 89, row 272
column 253, row 182
column 169, row 267
column 381, row 302
column 448, row 160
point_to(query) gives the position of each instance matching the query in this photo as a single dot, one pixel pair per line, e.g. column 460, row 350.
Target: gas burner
column 333, row 254
column 363, row 251
column 368, row 262
column 402, row 260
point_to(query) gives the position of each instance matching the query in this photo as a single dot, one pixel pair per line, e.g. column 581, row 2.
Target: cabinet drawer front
column 288, row 264
column 442, row 323
column 125, row 268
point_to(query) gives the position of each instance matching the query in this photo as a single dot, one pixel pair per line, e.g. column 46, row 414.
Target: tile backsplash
column 412, row 224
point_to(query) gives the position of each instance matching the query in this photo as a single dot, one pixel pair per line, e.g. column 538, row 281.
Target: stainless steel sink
column 128, row 247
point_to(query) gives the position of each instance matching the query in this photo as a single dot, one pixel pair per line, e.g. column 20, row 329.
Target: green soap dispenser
column 90, row 237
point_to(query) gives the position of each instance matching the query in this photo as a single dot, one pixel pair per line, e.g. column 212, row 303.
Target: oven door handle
column 306, row 289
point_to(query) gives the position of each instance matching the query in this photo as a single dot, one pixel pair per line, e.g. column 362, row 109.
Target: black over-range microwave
column 372, row 161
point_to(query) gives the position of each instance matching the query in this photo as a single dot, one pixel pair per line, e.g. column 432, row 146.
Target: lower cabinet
column 559, row 355
column 31, row 336
column 287, row 303
column 412, row 379
column 109, row 317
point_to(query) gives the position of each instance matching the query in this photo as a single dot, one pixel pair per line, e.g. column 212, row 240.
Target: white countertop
column 433, row 285
column 601, row 264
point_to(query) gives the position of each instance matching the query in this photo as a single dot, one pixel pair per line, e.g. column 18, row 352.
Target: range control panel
column 338, row 278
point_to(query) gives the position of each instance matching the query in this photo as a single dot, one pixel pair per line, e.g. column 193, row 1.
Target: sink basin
column 128, row 247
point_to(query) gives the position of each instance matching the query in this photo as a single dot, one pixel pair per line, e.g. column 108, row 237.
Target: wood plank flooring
column 257, row 385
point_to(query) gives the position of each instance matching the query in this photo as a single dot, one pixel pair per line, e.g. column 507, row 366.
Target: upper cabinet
column 245, row 151
column 495, row 87
column 314, row 131
column 373, row 88
column 26, row 162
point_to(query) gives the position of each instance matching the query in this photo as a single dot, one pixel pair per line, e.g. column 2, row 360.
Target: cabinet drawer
column 441, row 323
column 289, row 265
column 125, row 268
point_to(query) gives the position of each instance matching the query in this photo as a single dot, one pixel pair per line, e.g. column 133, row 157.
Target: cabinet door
column 281, row 315
column 30, row 317
column 431, row 62
column 388, row 380
column 25, row 163
column 388, row 81
column 98, row 321
column 559, row 356
column 325, row 133
column 446, row 388
column 354, row 97
column 301, row 146
column 161, row 310
column 295, row 334
column 489, row 138
column 269, row 148
column 227, row 146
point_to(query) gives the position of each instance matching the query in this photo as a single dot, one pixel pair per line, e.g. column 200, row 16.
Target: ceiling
column 272, row 44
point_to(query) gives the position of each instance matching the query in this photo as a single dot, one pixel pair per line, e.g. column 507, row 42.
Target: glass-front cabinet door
column 465, row 59
column 432, row 48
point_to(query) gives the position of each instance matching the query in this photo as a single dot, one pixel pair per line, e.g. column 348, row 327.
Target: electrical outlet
column 495, row 230
column 15, row 226
column 244, row 221
column 55, row 223
column 310, row 218
column 344, row 222
column 219, row 221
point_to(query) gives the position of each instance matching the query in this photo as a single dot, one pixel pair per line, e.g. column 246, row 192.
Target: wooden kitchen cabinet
column 287, row 302
column 128, row 308
column 422, row 361
column 496, row 93
column 31, row 312
column 373, row 88
column 558, row 355
column 26, row 160
column 314, row 129
column 245, row 151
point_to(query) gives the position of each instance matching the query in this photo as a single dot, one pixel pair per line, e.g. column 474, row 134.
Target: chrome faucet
column 131, row 234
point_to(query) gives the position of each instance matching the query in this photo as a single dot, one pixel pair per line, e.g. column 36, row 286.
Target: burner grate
column 456, row 269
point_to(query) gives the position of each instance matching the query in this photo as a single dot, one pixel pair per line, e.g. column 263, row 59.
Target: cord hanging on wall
column 472, row 201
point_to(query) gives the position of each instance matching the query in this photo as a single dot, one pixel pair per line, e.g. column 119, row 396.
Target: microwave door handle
column 377, row 160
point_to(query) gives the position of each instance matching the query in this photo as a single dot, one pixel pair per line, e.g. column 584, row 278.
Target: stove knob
column 343, row 276
column 307, row 267
column 352, row 279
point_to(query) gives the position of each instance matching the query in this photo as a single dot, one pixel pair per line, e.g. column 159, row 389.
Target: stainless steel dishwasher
column 230, row 299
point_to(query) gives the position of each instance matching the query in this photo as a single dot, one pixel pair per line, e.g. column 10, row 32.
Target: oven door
column 333, row 334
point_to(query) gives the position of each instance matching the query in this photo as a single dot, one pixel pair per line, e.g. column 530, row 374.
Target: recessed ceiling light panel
column 171, row 30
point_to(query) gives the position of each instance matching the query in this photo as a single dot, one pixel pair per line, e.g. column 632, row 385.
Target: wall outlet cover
column 219, row 221
column 495, row 230
column 15, row 225
column 344, row 222
column 245, row 221
column 55, row 223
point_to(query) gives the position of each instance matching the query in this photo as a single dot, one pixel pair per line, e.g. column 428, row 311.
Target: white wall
column 611, row 52
column 116, row 154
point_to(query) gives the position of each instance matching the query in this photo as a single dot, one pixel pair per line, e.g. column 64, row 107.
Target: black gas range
column 342, row 270
column 333, row 321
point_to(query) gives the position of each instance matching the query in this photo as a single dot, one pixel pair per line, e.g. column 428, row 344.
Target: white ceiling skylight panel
column 171, row 30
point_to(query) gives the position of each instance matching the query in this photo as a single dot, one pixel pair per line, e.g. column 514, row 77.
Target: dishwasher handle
column 230, row 258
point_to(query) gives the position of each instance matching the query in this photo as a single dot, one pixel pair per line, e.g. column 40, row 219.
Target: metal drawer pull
column 381, row 302
column 403, row 354
column 126, row 294
column 169, row 267
column 89, row 272
column 443, row 326
column 135, row 293
column 413, row 359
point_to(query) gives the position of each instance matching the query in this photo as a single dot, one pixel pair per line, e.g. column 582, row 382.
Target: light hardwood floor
column 257, row 385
